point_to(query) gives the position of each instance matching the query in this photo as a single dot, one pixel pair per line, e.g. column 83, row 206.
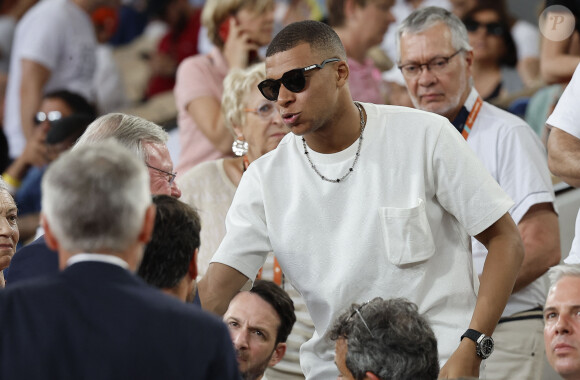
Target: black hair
column 174, row 241
column 77, row 103
column 281, row 302
column 318, row 35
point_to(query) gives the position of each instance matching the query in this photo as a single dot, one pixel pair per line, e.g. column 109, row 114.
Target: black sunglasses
column 492, row 28
column 293, row 80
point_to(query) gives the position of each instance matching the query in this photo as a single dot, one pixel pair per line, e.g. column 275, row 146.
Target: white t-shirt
column 398, row 226
column 59, row 35
column 515, row 157
column 208, row 188
column 566, row 116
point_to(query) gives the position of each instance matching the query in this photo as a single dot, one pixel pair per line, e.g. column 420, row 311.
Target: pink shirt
column 365, row 82
column 198, row 76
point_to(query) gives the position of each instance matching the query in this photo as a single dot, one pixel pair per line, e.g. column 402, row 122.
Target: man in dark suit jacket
column 96, row 319
column 147, row 140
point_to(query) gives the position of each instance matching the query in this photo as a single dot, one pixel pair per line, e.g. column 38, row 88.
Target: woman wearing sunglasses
column 238, row 29
column 494, row 51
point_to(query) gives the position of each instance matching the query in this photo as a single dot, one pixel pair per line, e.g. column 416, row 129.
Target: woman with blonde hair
column 237, row 28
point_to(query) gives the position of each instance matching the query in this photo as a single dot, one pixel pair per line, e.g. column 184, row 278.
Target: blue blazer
column 31, row 261
column 98, row 321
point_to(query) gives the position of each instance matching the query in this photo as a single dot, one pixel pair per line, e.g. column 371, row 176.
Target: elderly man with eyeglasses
column 436, row 59
column 146, row 140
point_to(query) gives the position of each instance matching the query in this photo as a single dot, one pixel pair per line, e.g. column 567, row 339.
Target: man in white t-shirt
column 365, row 201
column 53, row 49
column 564, row 147
column 435, row 59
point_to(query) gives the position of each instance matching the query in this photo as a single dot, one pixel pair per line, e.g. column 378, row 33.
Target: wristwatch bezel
column 484, row 344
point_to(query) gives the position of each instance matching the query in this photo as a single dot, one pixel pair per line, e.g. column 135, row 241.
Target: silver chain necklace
column 351, row 169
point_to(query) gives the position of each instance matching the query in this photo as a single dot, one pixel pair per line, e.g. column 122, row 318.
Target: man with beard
column 260, row 321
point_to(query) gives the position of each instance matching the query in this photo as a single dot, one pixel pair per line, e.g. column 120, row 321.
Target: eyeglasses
column 265, row 110
column 436, row 65
column 170, row 176
column 50, row 116
column 293, row 80
column 357, row 311
column 492, row 28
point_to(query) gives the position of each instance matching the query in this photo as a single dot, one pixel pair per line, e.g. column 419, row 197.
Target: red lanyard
column 471, row 118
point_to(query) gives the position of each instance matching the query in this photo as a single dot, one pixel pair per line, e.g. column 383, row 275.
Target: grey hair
column 95, row 197
column 4, row 186
column 425, row 18
column 238, row 84
column 130, row 131
column 393, row 341
column 557, row 272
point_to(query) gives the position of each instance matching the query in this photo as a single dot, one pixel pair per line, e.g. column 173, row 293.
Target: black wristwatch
column 483, row 343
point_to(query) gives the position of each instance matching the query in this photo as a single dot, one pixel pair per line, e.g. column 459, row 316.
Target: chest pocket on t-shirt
column 406, row 234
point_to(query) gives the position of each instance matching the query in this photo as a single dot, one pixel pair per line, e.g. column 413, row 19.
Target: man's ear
column 371, row 376
column 49, row 237
column 469, row 62
column 192, row 270
column 342, row 72
column 148, row 224
column 278, row 354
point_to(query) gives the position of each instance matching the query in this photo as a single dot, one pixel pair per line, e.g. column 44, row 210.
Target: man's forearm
column 219, row 285
column 503, row 262
column 541, row 238
column 564, row 156
column 34, row 77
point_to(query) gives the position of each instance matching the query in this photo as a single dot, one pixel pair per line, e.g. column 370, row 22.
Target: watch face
column 485, row 347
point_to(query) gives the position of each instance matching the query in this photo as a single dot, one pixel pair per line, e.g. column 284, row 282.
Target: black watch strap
column 483, row 344
column 472, row 334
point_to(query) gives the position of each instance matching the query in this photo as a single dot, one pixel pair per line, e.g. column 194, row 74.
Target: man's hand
column 463, row 363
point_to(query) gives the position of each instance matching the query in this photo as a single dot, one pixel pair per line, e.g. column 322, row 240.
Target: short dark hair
column 321, row 38
column 510, row 56
column 77, row 103
column 281, row 302
column 174, row 241
column 393, row 341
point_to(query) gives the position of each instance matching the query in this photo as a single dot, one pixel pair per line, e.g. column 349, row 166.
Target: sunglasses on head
column 293, row 80
column 492, row 28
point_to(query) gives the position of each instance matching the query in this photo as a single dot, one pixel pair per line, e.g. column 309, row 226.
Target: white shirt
column 398, row 226
column 99, row 257
column 515, row 157
column 566, row 116
column 60, row 36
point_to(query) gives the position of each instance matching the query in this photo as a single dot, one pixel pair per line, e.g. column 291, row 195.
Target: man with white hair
column 435, row 59
column 147, row 141
column 96, row 319
column 562, row 322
